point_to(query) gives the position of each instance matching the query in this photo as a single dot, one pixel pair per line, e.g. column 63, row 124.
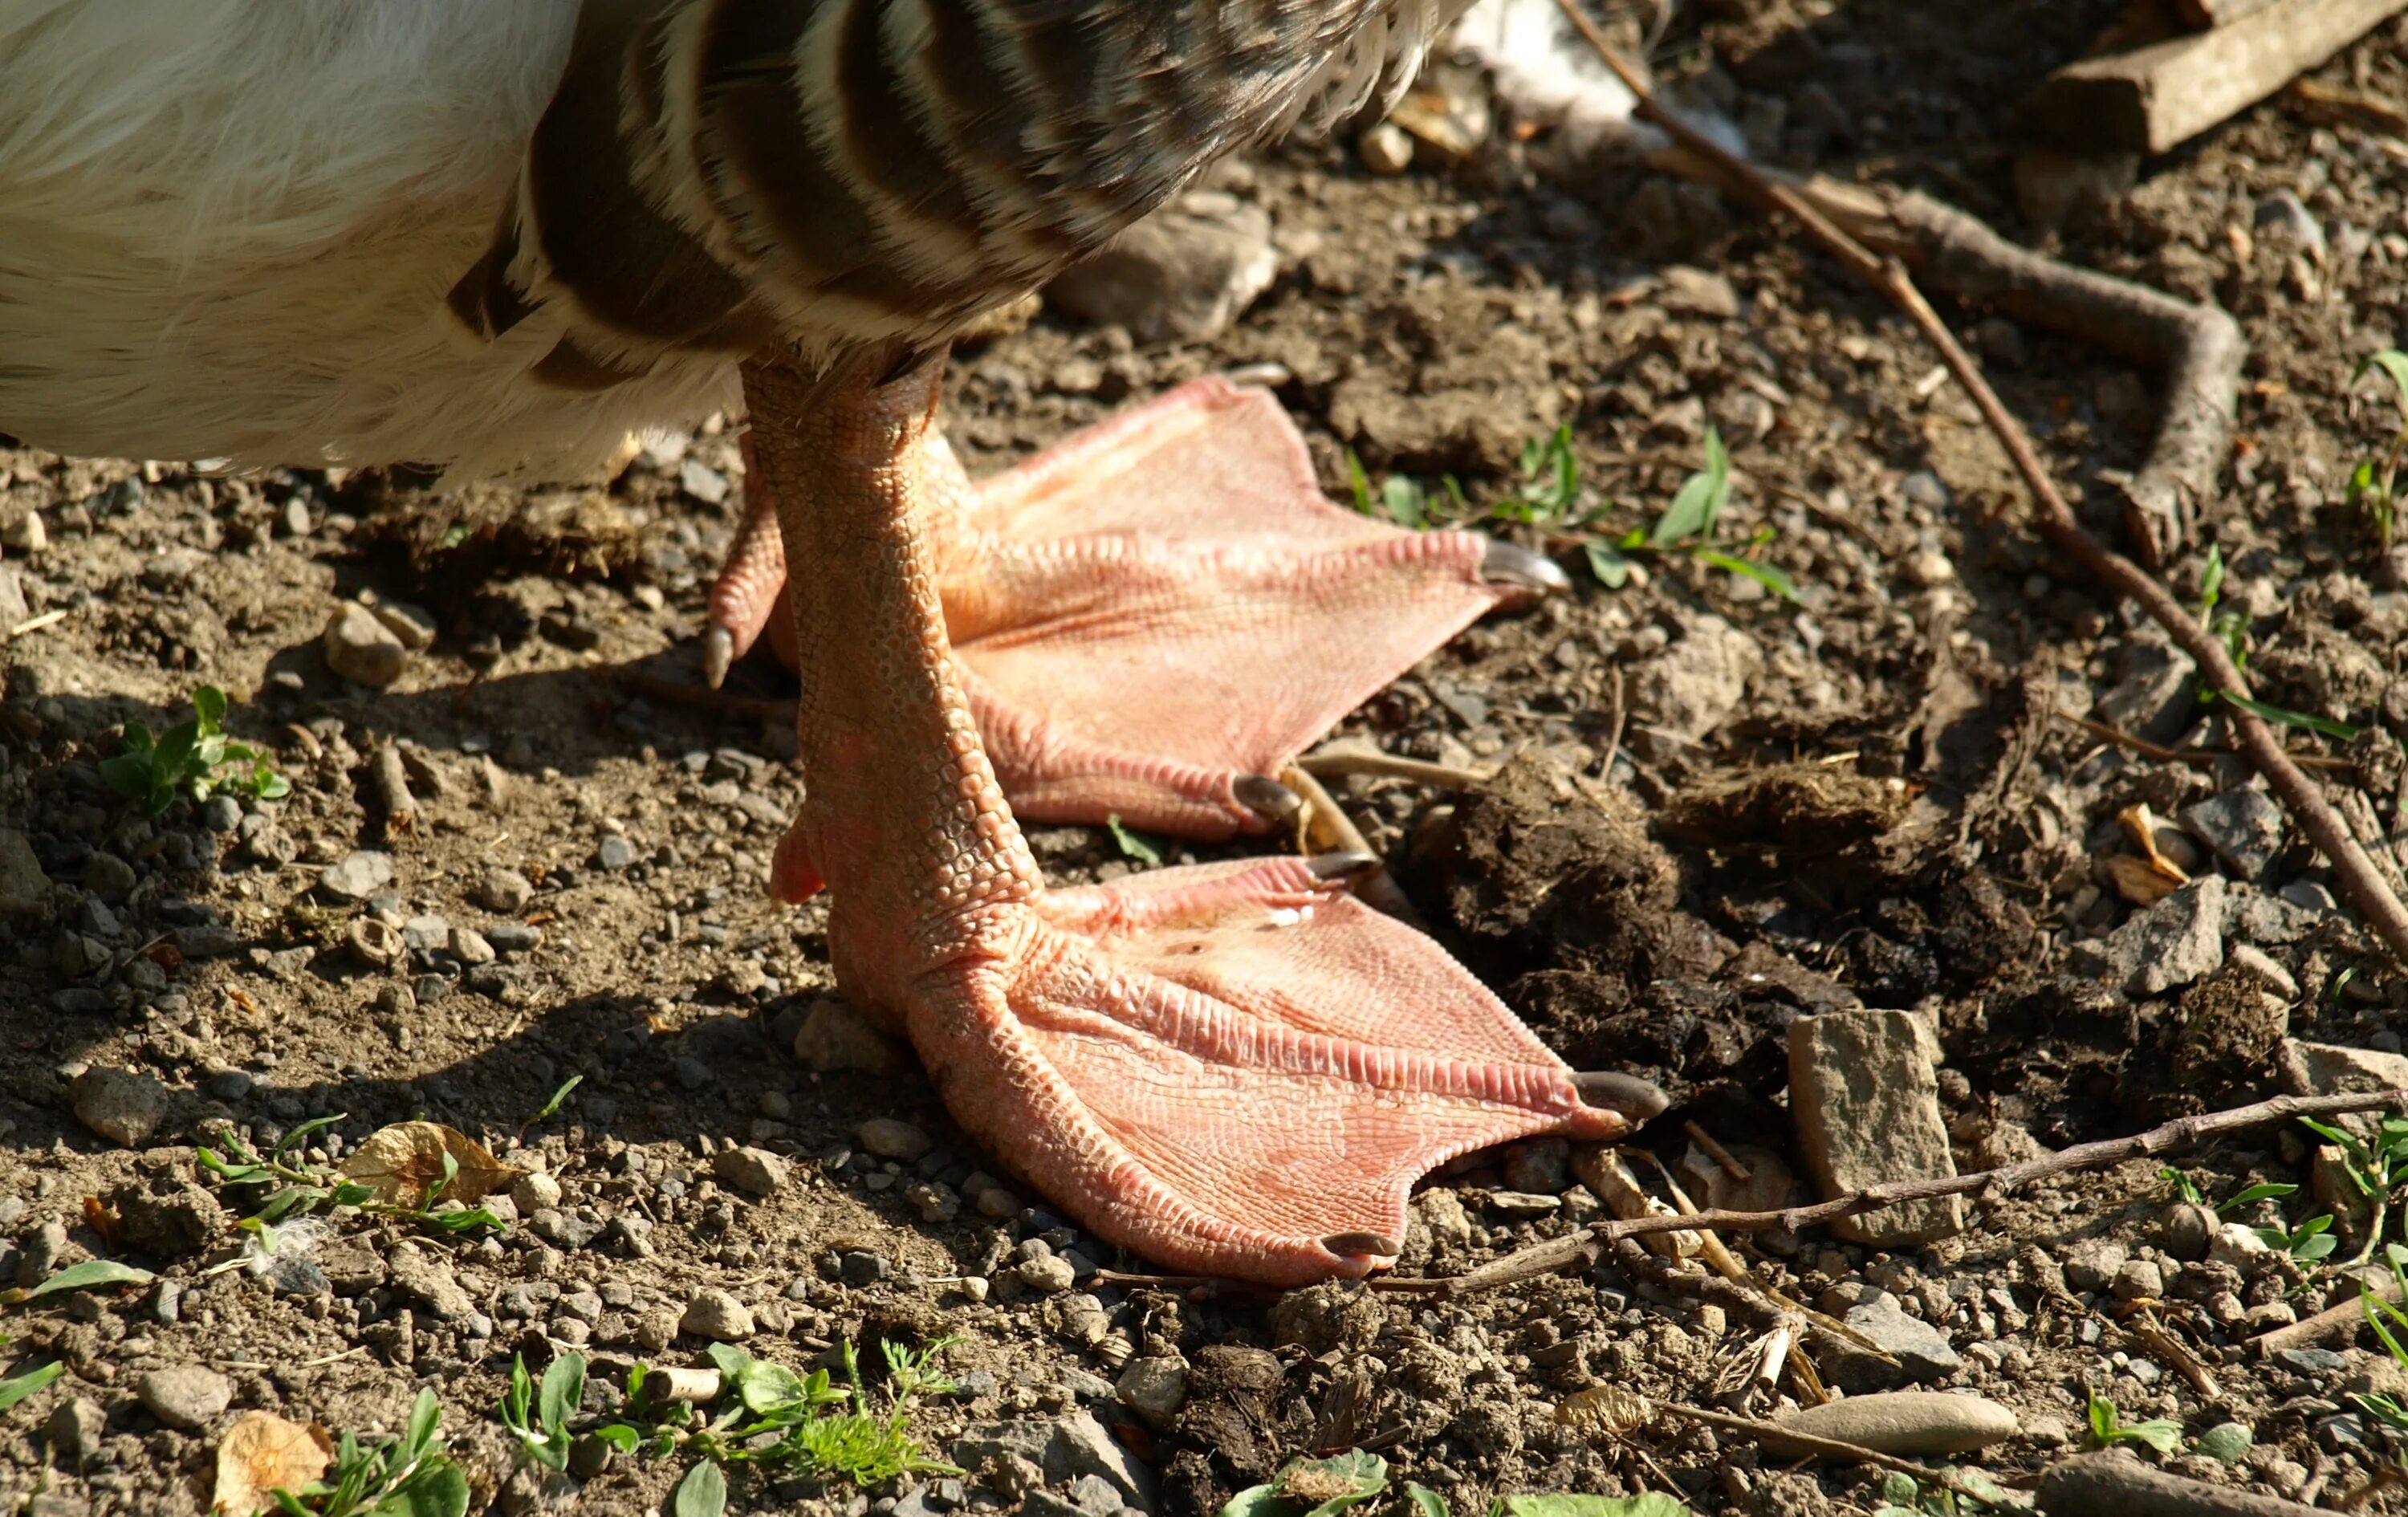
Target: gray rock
column 429, row 1280
column 470, row 946
column 862, row 1267
column 1922, row 1351
column 1866, row 1099
column 2173, row 943
column 362, row 648
column 1692, row 687
column 754, row 1171
column 188, row 1396
column 892, row 1139
column 2140, row 1279
column 1187, row 271
column 703, row 482
column 1048, row 1275
column 1154, row 1389
column 513, row 938
column 75, row 1430
column 221, row 814
column 534, row 1192
column 361, row 874
column 2156, row 695
column 24, row 888
column 835, row 1035
column 2282, row 215
column 715, row 1314
column 502, row 890
column 2091, row 1265
column 1095, row 1496
column 1904, row 1423
column 2311, row 897
column 123, row 1105
column 563, row 1228
column 412, row 626
column 109, row 877
column 613, row 852
column 2267, row 920
column 1064, row 1450
column 2244, row 827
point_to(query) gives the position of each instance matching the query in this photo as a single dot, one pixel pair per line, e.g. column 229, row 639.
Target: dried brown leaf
column 261, row 1452
column 404, row 1162
column 1603, row 1411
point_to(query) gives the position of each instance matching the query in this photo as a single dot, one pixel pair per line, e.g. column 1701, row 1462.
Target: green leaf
column 766, row 1387
column 2157, row 1433
column 286, row 1143
column 16, row 1388
column 2184, row 1188
column 2228, row 1442
column 1425, row 1501
column 128, row 774
column 1610, row 564
column 1133, row 845
column 552, row 1107
column 1651, row 1504
column 2393, row 362
column 1763, row 574
column 2268, row 1191
column 1404, row 501
column 1701, row 499
column 92, row 1274
column 2310, row 1250
column 1256, row 1501
column 703, row 1493
column 1325, row 1487
column 2211, row 581
column 2340, row 730
column 620, row 1436
column 440, row 1491
column 209, row 709
column 564, row 1389
column 1359, row 482
column 426, row 1413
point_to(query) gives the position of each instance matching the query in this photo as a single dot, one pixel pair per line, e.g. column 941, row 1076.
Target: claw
column 1348, row 1244
column 1268, row 798
column 1344, row 865
column 1513, row 565
column 718, row 655
column 1627, row 1094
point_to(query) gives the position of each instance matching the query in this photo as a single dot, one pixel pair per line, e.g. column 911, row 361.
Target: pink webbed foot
column 1153, row 616
column 1234, row 1069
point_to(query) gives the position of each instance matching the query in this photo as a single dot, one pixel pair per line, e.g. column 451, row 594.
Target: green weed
column 192, row 758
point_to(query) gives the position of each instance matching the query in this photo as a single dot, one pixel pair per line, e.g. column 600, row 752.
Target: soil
column 1721, row 812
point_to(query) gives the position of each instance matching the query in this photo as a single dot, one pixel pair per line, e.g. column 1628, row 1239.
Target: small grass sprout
column 409, row 1476
column 193, row 758
column 2374, row 485
column 301, row 1189
column 2108, row 1428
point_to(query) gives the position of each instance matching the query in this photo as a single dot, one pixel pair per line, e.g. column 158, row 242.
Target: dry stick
column 2115, row 1485
column 1576, row 1248
column 1327, row 826
column 2159, row 751
column 1786, row 1440
column 2308, row 1329
column 2054, row 518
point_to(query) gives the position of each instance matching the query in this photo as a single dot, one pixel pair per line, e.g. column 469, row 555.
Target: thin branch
column 2053, row 518
column 1584, row 1246
column 1786, row 1440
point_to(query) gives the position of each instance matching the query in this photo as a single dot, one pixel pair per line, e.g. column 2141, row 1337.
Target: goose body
column 497, row 236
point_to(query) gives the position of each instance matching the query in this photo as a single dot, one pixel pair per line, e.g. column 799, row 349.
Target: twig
column 34, row 624
column 2053, row 518
column 1715, row 1151
column 1561, row 1253
column 2159, row 751
column 2115, row 1485
column 2154, row 1333
column 1831, row 1448
column 1345, row 757
column 391, row 782
column 2347, row 1315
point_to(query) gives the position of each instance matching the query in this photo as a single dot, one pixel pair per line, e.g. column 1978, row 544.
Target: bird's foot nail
column 1517, row 567
column 1268, row 798
column 1347, row 1244
column 1269, row 376
column 718, row 656
column 1348, row 863
column 1625, row 1096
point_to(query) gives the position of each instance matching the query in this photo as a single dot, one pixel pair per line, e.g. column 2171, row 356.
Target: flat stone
column 24, row 888
column 2251, row 917
column 754, row 1171
column 1693, row 687
column 188, row 1396
column 2244, row 827
column 1698, row 292
column 613, row 852
column 2156, row 694
column 1064, row 1450
column 1155, row 1388
column 835, row 1035
column 123, row 1105
column 361, row 874
column 503, row 890
column 2173, row 943
column 1922, row 1351
column 511, row 939
column 717, row 1315
column 891, row 1138
column 1866, row 1099
column 1185, row 272
column 413, row 626
column 429, row 1280
column 362, row 648
column 1903, row 1422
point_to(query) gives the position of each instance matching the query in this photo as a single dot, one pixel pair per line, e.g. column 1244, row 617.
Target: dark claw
column 1509, row 564
column 718, row 655
column 1268, row 798
column 1344, row 1244
column 1624, row 1094
column 1347, row 864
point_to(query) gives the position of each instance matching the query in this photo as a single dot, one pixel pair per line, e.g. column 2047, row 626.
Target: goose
column 498, row 238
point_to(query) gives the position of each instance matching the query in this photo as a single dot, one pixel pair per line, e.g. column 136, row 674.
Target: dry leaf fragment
column 262, row 1453
column 2153, row 877
column 1603, row 1411
column 404, row 1162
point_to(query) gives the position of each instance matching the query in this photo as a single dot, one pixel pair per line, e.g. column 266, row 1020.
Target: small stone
column 1698, row 292
column 413, row 626
column 1866, row 1099
column 24, row 888
column 187, row 1398
column 862, row 1266
column 503, row 890
column 836, row 1036
column 703, row 482
column 613, row 852
column 2188, row 1230
column 25, row 534
column 1048, row 1275
column 75, row 1430
column 470, row 946
column 221, row 814
column 1904, row 1423
column 2316, row 1364
column 1693, row 687
column 362, row 648
column 1184, row 272
column 2242, row 827
column 2140, row 1279
column 1387, row 149
column 511, row 939
column 754, row 1171
column 1154, row 1389
column 2173, row 943
column 891, row 1138
column 2282, row 215
column 123, row 1105
column 360, row 875
column 1922, row 1351
column 715, row 1314
column 430, row 1281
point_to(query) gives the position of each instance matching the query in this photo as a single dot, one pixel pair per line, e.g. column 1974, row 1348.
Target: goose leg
column 1155, row 616
column 1232, row 1068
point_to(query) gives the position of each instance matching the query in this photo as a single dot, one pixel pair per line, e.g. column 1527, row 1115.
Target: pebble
column 1047, row 1276
column 221, row 814
column 1865, row 1098
column 470, row 946
column 891, row 1138
column 75, row 1430
column 1387, row 149
column 187, row 1396
column 862, row 1267
column 504, row 889
column 125, row 1106
column 1154, row 1389
column 2243, row 828
column 754, row 1171
column 511, row 939
column 2173, row 943
column 361, row 874
column 24, row 888
column 1922, row 1351
column 1905, row 1422
column 430, row 1281
column 613, row 852
column 1694, row 685
column 2140, row 1279
column 836, row 1036
column 1184, row 273
column 715, row 1314
column 25, row 534
column 1698, row 292
column 362, row 648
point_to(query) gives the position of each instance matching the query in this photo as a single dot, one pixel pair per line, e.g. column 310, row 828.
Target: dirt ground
column 1865, row 798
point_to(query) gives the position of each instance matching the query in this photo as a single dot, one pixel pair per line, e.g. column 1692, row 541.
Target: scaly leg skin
column 1234, row 1069
column 1155, row 615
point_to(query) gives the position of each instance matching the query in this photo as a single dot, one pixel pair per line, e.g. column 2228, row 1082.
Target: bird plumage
column 498, row 235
